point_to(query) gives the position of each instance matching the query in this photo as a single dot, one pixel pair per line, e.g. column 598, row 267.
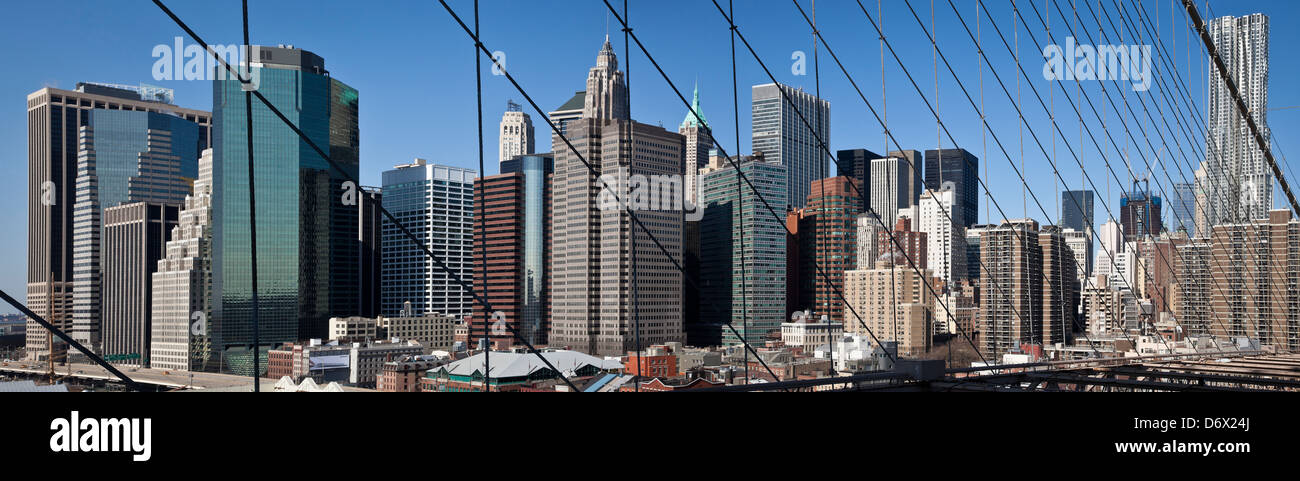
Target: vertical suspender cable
column 482, row 220
column 252, row 206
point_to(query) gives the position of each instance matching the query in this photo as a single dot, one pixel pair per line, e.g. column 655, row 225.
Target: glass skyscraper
column 306, row 236
column 735, row 287
column 123, row 156
column 55, row 119
column 1076, row 209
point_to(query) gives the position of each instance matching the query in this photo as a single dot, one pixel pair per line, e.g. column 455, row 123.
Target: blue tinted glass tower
column 306, row 247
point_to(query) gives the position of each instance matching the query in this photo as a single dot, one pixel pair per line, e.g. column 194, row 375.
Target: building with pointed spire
column 699, row 142
column 593, row 276
column 606, row 96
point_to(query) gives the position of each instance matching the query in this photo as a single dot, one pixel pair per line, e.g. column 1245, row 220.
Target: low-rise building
column 654, row 361
column 515, row 371
column 367, row 361
column 354, row 329
column 437, row 332
column 806, row 334
column 403, row 375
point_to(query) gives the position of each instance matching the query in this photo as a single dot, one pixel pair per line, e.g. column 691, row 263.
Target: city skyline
column 651, row 100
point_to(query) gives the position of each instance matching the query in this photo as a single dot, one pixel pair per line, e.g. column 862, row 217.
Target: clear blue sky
column 413, row 67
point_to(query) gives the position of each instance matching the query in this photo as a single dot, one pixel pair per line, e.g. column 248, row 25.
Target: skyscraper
column 894, row 187
column 783, row 137
column 856, row 163
column 512, row 235
column 833, row 204
column 1255, row 291
column 182, row 284
column 741, row 281
column 1139, row 212
column 435, row 202
column 606, row 95
column 516, row 133
column 55, row 118
column 915, row 161
column 962, row 169
column 123, row 157
column 1076, row 210
column 593, row 274
column 699, row 142
column 307, row 236
column 892, row 301
column 1182, row 208
column 947, row 239
column 1241, row 183
column 1026, row 293
column 370, row 237
column 135, row 235
column 572, row 109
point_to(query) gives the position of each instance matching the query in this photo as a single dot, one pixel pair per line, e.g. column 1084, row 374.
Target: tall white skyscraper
column 182, row 285
column 436, row 202
column 783, row 137
column 1241, row 183
column 1080, row 243
column 516, row 137
column 893, row 188
column 1113, row 258
column 946, row 240
column 869, row 228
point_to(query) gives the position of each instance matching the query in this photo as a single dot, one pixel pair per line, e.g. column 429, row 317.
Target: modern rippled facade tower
column 306, row 235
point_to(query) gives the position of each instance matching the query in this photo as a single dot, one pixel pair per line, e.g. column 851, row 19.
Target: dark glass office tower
column 1076, row 209
column 962, row 169
column 856, row 164
column 306, row 234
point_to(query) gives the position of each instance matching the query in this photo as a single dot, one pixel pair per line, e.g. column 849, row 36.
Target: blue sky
column 413, row 67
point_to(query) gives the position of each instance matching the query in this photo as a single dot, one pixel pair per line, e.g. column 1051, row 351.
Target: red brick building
column 403, row 375
column 823, row 246
column 656, row 361
column 913, row 243
column 511, row 241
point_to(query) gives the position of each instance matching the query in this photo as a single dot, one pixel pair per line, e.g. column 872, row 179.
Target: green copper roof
column 691, row 120
column 574, row 103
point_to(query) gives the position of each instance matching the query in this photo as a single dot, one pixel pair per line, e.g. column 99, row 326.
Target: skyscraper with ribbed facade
column 307, row 236
column 781, row 134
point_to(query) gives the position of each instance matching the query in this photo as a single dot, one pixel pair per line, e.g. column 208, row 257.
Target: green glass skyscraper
column 743, row 252
column 306, row 232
